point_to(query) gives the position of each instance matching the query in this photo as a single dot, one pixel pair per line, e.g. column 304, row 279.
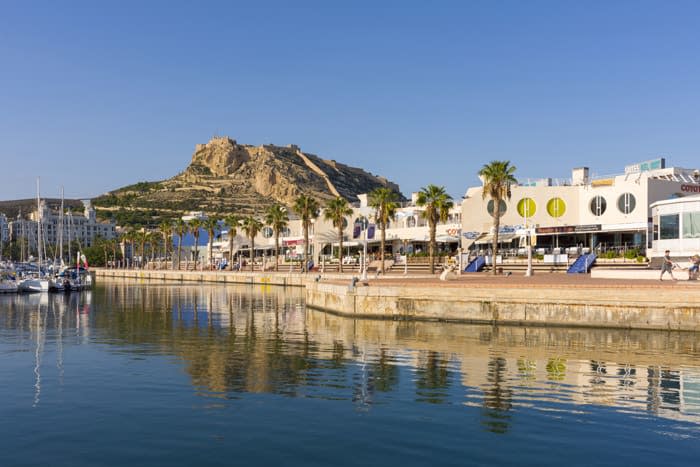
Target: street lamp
column 364, row 224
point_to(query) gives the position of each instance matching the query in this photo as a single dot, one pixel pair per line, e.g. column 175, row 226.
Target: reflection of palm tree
column 498, row 397
column 433, row 375
column 385, row 373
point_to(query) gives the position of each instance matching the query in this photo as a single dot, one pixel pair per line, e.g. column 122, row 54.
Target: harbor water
column 135, row 373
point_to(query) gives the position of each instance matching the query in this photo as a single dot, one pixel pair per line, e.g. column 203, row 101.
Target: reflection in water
column 234, row 340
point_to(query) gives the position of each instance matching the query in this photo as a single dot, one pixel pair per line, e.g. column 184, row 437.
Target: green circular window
column 556, row 207
column 526, row 207
column 502, row 208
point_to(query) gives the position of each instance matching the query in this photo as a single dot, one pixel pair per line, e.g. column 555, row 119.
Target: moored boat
column 8, row 282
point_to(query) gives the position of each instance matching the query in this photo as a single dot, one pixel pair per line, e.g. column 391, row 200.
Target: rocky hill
column 227, row 177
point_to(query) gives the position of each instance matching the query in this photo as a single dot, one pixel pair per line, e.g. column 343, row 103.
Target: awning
column 447, row 239
column 502, row 238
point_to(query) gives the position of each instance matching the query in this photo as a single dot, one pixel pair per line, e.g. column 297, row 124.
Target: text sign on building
column 645, row 166
column 568, row 229
column 690, row 188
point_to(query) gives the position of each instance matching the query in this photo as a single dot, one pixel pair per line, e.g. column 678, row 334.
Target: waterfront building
column 676, row 226
column 582, row 213
column 407, row 233
column 4, row 229
column 83, row 228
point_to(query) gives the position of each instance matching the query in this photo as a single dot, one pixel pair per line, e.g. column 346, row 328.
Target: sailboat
column 38, row 283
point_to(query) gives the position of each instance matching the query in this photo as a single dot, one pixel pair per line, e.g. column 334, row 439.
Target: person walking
column 667, row 265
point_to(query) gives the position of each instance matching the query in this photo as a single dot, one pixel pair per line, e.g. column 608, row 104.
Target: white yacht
column 8, row 283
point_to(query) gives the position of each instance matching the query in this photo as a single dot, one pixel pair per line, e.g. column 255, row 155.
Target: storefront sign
column 568, row 229
column 690, row 188
column 653, row 164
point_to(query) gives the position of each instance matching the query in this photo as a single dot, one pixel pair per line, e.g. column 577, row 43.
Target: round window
column 598, row 205
column 267, row 232
column 526, row 208
column 626, row 203
column 502, row 208
column 556, row 207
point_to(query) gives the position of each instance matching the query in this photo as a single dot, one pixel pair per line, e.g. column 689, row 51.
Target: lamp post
column 364, row 223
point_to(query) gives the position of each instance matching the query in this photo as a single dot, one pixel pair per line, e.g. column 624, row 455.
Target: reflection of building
column 592, row 212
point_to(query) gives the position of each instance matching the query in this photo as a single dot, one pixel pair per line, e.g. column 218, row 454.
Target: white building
column 600, row 213
column 676, row 226
column 76, row 227
column 4, row 229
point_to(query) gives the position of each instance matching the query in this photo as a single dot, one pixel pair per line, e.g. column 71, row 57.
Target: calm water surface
column 153, row 374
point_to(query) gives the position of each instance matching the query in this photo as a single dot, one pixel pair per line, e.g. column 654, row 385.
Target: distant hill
column 226, row 177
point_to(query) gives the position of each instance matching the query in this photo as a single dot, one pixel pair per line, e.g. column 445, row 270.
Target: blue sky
column 97, row 95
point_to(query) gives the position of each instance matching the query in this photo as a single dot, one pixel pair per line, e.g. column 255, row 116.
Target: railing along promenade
column 541, row 300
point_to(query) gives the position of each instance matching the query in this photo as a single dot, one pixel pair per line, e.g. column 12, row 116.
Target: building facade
column 597, row 214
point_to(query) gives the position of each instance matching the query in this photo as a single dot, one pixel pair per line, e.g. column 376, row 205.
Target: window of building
column 502, row 208
column 267, row 232
column 668, row 227
column 626, row 203
column 286, row 232
column 598, row 205
column 556, row 207
column 691, row 225
column 526, row 207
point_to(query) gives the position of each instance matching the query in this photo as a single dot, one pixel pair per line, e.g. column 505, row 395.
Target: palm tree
column 194, row 226
column 180, row 230
column 385, row 202
column 251, row 226
column 166, row 229
column 336, row 211
column 497, row 177
column 142, row 236
column 233, row 222
column 437, row 204
column 307, row 208
column 211, row 225
column 277, row 218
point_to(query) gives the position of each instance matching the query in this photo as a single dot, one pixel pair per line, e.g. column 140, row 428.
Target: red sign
column 691, row 188
column 293, row 242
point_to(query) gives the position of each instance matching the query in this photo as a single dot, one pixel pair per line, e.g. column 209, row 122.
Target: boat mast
column 38, row 225
column 60, row 231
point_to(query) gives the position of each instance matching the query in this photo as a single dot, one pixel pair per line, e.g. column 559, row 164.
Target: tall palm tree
column 194, row 226
column 336, row 211
column 233, row 222
column 142, row 236
column 497, row 177
column 437, row 204
column 211, row 225
column 180, row 228
column 166, row 229
column 385, row 202
column 307, row 208
column 277, row 218
column 251, row 227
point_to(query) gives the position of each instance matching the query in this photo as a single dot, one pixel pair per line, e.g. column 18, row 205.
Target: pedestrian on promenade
column 667, row 265
column 693, row 269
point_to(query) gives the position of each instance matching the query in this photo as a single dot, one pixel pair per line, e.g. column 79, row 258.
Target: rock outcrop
column 225, row 176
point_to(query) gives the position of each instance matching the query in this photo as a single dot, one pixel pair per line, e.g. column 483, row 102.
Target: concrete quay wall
column 649, row 305
column 571, row 307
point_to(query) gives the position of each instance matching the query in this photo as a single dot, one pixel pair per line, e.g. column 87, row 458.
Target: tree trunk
column 340, row 247
column 431, row 246
column 496, row 227
column 277, row 250
column 252, row 252
column 305, row 266
column 382, row 245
